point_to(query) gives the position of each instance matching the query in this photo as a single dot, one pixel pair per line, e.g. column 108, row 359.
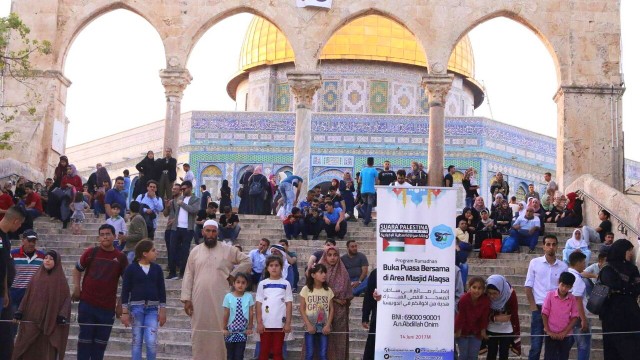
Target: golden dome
column 371, row 37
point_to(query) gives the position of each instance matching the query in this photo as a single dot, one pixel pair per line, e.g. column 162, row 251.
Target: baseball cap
column 30, row 234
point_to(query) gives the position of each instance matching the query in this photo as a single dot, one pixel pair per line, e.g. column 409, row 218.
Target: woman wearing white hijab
column 576, row 243
column 503, row 319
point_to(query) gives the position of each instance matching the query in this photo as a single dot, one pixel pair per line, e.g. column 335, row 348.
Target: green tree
column 15, row 64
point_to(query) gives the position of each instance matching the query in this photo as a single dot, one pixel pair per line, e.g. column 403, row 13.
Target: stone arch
column 194, row 33
column 338, row 23
column 73, row 30
column 521, row 191
column 211, row 176
column 520, row 19
column 326, row 176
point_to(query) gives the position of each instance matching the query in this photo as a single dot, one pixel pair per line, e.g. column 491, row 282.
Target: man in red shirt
column 102, row 267
column 33, row 201
column 6, row 201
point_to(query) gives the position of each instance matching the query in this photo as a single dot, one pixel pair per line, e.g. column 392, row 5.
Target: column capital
column 437, row 87
column 303, row 86
column 175, row 81
column 613, row 90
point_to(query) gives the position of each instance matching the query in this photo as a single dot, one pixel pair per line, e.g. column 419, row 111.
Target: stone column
column 437, row 87
column 303, row 86
column 174, row 80
column 590, row 138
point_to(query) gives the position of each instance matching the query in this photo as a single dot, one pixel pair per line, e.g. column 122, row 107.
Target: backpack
column 510, row 244
column 488, row 250
column 255, row 188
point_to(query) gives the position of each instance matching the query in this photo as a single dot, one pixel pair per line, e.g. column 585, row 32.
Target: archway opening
column 518, row 74
column 113, row 64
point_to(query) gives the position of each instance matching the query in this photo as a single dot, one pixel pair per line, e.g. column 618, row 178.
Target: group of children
column 488, row 313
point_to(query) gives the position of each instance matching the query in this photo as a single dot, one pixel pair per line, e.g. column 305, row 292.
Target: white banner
column 316, row 3
column 416, row 273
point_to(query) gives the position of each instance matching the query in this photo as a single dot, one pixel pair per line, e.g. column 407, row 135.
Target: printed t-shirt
column 368, row 176
column 354, row 264
column 273, row 296
column 317, row 302
column 100, row 282
column 386, row 177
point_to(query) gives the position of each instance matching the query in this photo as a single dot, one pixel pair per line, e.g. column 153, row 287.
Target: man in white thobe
column 206, row 281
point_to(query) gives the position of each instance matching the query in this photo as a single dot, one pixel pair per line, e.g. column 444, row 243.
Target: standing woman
column 339, row 282
column 71, row 183
column 257, row 182
column 53, row 205
column 60, row 171
column 46, row 311
column 347, row 188
column 243, row 193
column 620, row 312
column 268, row 199
column 147, row 171
column 503, row 319
column 225, row 195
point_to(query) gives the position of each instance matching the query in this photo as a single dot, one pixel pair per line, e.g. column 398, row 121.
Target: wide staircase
column 175, row 337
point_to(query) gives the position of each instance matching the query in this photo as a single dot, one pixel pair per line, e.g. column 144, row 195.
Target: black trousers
column 499, row 346
column 6, row 338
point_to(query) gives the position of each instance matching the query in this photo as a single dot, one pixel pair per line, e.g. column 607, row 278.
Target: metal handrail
column 623, row 226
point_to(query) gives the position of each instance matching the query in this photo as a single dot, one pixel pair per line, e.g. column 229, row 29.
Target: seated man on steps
column 526, row 230
column 294, row 224
column 357, row 266
column 314, row 220
column 229, row 225
column 335, row 224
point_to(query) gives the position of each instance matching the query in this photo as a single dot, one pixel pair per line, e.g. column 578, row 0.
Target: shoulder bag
column 599, row 295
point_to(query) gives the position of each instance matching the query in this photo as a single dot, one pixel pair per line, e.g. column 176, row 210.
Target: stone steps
column 174, row 338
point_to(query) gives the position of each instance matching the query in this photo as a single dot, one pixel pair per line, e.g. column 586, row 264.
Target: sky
column 114, row 63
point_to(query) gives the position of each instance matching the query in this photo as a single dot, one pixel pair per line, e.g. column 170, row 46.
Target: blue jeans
column 293, row 230
column 231, row 234
column 360, row 288
column 93, row 340
column 180, row 244
column 464, row 272
column 537, row 328
column 317, row 342
column 145, row 326
column 469, row 347
column 34, row 213
column 286, row 190
column 368, row 199
column 524, row 238
column 468, row 202
column 582, row 340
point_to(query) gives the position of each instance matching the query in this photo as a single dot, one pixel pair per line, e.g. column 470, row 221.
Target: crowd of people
column 218, row 292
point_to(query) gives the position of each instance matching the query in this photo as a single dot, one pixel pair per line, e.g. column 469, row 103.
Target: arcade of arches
column 584, row 42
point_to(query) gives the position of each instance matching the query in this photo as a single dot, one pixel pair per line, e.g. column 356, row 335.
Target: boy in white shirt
column 117, row 222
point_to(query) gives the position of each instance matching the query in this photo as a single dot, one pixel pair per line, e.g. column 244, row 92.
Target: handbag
column 599, row 295
column 241, row 191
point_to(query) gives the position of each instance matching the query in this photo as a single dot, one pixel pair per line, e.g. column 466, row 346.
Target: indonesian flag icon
column 415, row 244
column 393, row 244
column 316, row 3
